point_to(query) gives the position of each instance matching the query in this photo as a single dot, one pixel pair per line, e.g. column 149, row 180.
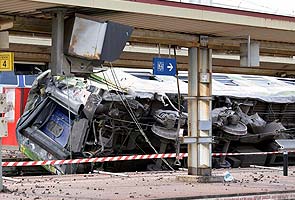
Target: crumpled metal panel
column 91, row 106
column 87, row 38
column 65, row 99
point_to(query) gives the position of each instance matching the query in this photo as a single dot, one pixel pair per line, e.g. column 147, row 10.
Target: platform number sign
column 164, row 66
column 6, row 61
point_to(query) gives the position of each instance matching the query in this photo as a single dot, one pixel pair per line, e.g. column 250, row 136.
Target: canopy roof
column 164, row 22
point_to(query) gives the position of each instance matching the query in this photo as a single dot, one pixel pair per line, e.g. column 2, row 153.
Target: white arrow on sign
column 170, row 67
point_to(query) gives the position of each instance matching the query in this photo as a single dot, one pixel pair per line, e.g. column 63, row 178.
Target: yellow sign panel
column 6, row 61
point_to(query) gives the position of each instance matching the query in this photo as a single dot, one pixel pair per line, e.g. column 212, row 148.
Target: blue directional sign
column 164, row 66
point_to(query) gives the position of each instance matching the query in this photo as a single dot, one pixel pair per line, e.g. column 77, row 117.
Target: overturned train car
column 126, row 112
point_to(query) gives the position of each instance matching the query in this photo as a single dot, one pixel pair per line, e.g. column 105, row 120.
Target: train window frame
column 287, row 81
column 224, row 79
column 261, row 81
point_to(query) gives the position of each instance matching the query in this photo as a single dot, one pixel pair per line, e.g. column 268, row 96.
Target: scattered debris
column 228, row 177
column 264, row 167
column 110, row 173
column 11, row 179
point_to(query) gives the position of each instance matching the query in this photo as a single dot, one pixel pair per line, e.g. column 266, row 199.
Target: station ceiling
column 164, row 22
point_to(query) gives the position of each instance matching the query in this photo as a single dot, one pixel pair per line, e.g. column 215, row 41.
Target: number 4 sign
column 6, row 61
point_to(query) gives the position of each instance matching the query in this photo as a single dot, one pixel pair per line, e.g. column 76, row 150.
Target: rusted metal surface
column 85, row 39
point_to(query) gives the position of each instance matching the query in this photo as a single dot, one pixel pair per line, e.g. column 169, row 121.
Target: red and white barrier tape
column 92, row 160
column 122, row 158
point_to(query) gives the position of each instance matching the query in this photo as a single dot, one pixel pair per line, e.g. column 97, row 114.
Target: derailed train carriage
column 126, row 112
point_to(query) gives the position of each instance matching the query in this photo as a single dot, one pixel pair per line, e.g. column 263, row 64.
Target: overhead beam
column 31, row 57
column 129, row 58
column 232, row 69
column 5, row 24
column 233, row 44
column 25, row 25
column 161, row 37
column 34, row 26
column 157, row 37
column 253, row 71
column 137, row 51
column 28, row 24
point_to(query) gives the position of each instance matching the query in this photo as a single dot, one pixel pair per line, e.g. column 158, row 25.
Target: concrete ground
column 249, row 183
column 11, row 153
column 269, row 184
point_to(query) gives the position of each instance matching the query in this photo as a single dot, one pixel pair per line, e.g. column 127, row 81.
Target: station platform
column 249, row 183
column 12, row 153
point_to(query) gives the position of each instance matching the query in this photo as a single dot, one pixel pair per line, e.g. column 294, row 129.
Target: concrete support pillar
column 199, row 111
column 204, row 112
column 192, row 110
